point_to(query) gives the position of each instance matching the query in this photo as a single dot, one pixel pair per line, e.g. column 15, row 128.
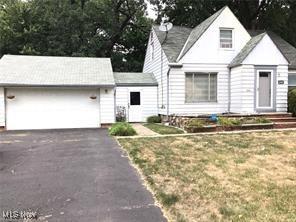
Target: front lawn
column 162, row 129
column 225, row 177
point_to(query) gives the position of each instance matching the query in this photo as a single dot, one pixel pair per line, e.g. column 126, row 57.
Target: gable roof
column 197, row 32
column 247, row 49
column 55, row 71
column 134, row 79
column 180, row 37
column 286, row 48
column 174, row 42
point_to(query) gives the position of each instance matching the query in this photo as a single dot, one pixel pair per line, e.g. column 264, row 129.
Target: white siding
column 107, row 105
column 177, row 104
column 248, row 89
column 154, row 66
column 282, row 90
column 266, row 53
column 148, row 99
column 236, row 89
column 2, row 107
column 243, row 89
column 207, row 48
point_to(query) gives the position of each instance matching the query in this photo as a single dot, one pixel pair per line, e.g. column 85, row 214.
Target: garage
column 38, row 92
column 35, row 108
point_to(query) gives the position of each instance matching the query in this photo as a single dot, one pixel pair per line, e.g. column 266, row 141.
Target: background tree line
column 120, row 28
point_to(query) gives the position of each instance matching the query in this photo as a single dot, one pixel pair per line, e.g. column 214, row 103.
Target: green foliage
column 167, row 199
column 197, row 123
column 92, row 28
column 262, row 120
column 122, row 129
column 225, row 121
column 154, row 119
column 292, row 101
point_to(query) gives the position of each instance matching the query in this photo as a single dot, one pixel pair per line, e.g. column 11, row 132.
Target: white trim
column 232, row 38
column 271, row 89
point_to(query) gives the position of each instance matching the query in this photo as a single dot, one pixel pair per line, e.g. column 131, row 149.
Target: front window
column 226, row 39
column 201, row 87
column 292, row 81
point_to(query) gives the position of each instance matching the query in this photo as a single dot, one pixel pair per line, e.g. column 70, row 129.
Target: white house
column 219, row 67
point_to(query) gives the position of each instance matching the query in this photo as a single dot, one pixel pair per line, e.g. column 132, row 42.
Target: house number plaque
column 281, row 82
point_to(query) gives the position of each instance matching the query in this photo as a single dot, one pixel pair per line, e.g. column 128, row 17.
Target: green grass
column 220, row 177
column 162, row 129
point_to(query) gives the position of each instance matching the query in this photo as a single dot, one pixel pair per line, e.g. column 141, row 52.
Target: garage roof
column 19, row 70
column 134, row 79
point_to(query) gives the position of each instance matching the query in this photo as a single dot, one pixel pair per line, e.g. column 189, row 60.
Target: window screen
column 225, row 38
column 201, row 87
column 292, row 79
column 135, row 98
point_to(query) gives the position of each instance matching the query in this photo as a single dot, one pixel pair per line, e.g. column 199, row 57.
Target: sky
column 150, row 11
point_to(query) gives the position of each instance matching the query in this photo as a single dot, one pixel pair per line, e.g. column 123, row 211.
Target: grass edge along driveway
column 222, row 177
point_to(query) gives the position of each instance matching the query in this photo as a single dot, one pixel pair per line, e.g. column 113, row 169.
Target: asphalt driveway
column 71, row 175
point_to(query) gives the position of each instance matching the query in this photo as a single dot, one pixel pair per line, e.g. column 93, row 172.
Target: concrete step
column 282, row 119
column 284, row 125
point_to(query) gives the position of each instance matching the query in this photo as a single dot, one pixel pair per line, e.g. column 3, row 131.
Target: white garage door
column 52, row 108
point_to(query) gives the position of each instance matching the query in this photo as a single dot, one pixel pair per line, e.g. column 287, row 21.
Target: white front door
column 135, row 107
column 264, row 89
column 52, row 108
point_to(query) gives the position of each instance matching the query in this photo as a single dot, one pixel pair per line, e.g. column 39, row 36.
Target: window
column 292, row 81
column 135, row 98
column 201, row 87
column 226, row 38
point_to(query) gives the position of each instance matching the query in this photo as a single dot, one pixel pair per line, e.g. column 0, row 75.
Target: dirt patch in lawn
column 227, row 177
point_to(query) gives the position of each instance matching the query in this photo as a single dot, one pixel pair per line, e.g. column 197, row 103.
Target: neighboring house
column 39, row 92
column 219, row 67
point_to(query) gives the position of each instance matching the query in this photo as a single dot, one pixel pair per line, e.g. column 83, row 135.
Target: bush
column 224, row 121
column 154, row 119
column 262, row 120
column 122, row 129
column 197, row 123
column 292, row 101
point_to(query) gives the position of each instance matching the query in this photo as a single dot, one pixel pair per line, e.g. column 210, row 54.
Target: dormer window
column 226, row 39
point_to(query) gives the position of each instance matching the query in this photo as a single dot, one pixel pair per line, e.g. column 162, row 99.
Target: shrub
column 292, row 101
column 154, row 119
column 197, row 123
column 262, row 120
column 224, row 121
column 122, row 129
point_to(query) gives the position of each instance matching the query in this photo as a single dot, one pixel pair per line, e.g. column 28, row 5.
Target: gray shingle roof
column 242, row 55
column 197, row 32
column 286, row 48
column 134, row 79
column 55, row 71
column 175, row 41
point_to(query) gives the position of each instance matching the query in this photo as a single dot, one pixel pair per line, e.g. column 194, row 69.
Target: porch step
column 276, row 115
column 284, row 125
column 282, row 119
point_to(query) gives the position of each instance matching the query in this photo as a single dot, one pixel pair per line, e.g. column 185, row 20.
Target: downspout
column 229, row 90
column 168, row 90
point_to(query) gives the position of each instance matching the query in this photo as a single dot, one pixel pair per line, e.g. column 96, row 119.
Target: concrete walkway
column 143, row 131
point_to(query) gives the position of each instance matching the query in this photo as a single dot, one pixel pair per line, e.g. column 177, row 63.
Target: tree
column 100, row 28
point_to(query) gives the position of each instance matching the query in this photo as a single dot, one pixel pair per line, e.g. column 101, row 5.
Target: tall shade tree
column 100, row 28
